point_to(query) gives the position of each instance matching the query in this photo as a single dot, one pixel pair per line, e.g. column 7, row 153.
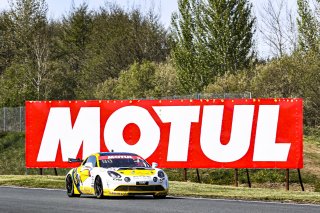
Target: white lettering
column 86, row 131
column 180, row 118
column 266, row 148
column 149, row 131
column 240, row 133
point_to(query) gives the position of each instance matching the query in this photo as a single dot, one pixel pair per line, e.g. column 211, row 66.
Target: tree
column 212, row 37
column 28, row 40
column 137, row 81
column 121, row 38
column 192, row 72
column 141, row 80
column 76, row 36
column 117, row 39
column 68, row 58
column 296, row 75
column 14, row 88
column 308, row 26
column 166, row 83
column 7, row 50
column 228, row 34
column 235, row 83
column 73, row 51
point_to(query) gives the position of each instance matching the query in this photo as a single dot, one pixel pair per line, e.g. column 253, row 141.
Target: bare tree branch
column 278, row 27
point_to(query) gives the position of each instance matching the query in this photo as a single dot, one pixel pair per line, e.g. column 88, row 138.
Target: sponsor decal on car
column 116, row 157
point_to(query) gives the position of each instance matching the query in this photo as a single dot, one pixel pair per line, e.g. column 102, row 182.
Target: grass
column 12, row 156
column 182, row 189
column 243, row 193
column 33, row 181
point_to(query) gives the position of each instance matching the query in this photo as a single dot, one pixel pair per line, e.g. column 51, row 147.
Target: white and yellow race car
column 116, row 174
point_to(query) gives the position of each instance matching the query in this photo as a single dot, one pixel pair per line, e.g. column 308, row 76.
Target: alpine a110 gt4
column 116, row 174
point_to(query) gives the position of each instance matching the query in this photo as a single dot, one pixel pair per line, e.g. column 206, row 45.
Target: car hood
column 133, row 171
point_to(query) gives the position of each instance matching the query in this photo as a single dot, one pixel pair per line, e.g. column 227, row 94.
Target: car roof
column 116, row 153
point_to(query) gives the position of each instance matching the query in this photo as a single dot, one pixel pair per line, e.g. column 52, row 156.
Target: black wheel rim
column 69, row 184
column 98, row 187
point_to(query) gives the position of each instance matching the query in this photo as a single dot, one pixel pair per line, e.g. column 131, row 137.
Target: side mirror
column 73, row 160
column 154, row 165
column 89, row 165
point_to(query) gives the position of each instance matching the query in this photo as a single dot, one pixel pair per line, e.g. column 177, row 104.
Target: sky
column 57, row 8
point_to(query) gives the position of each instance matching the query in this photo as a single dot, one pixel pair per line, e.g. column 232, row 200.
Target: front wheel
column 70, row 188
column 159, row 196
column 98, row 188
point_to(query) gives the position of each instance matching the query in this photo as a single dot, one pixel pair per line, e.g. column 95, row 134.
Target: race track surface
column 41, row 200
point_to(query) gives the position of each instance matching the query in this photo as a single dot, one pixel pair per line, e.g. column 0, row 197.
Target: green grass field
column 12, row 162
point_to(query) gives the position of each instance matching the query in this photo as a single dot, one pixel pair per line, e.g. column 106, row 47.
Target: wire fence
column 206, row 96
column 12, row 119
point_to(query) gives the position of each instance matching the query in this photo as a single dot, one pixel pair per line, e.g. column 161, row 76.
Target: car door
column 84, row 172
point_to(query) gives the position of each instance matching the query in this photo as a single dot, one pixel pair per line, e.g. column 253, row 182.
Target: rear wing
column 74, row 160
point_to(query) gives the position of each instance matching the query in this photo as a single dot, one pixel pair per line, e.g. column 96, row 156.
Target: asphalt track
column 43, row 200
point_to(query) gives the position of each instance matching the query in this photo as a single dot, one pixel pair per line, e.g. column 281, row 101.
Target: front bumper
column 127, row 190
column 122, row 188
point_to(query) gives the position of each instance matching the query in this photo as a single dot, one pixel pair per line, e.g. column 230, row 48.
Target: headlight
column 114, row 174
column 161, row 174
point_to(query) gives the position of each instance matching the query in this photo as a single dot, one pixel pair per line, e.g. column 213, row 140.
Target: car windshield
column 123, row 161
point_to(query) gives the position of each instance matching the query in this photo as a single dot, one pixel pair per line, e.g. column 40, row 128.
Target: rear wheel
column 70, row 188
column 98, row 188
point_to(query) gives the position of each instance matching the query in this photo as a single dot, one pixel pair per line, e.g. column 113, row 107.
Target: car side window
column 92, row 159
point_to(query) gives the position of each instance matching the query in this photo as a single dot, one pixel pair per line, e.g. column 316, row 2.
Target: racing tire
column 98, row 188
column 159, row 196
column 70, row 187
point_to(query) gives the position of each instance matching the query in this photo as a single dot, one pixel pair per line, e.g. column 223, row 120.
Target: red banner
column 207, row 133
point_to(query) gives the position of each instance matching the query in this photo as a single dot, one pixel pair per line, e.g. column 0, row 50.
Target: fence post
column 185, row 174
column 20, row 117
column 248, row 178
column 4, row 119
column 300, row 180
column 198, row 176
column 236, row 178
column 287, row 179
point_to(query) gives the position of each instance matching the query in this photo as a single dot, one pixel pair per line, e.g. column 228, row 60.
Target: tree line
column 113, row 53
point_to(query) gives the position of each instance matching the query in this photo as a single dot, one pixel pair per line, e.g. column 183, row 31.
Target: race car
column 116, row 174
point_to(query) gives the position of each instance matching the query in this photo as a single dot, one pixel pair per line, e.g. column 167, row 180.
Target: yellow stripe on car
column 137, row 172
